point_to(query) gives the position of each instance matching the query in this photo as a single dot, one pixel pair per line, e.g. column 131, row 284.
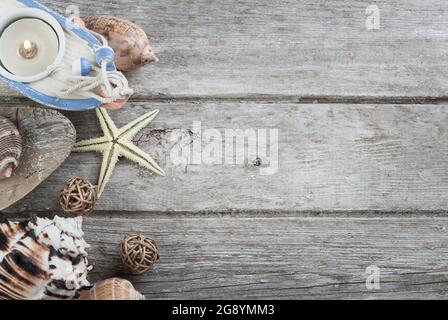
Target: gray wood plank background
column 287, row 47
column 362, row 124
column 331, row 157
column 290, row 258
column 208, row 257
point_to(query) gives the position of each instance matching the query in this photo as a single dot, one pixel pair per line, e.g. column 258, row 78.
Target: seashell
column 78, row 21
column 129, row 41
column 10, row 148
column 43, row 259
column 112, row 289
column 118, row 104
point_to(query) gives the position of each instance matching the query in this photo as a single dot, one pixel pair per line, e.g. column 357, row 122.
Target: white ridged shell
column 10, row 147
column 43, row 259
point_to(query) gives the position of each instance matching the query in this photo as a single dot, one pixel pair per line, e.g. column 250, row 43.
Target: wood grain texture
column 48, row 138
column 301, row 48
column 330, row 158
column 279, row 258
column 227, row 232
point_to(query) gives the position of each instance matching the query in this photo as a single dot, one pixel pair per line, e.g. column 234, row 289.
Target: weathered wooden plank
column 330, row 157
column 280, row 258
column 303, row 48
column 48, row 138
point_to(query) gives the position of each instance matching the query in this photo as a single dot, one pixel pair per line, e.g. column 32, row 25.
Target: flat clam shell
column 48, row 138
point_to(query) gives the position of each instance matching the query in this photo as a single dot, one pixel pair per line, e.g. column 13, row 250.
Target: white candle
column 32, row 42
column 28, row 47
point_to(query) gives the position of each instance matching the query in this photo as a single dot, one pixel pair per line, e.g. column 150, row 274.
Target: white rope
column 114, row 82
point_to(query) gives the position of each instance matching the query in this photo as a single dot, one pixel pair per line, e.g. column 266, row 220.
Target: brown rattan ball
column 78, row 196
column 139, row 253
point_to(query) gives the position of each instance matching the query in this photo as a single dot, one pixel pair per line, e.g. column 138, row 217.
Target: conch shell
column 43, row 259
column 129, row 41
column 10, row 148
column 112, row 289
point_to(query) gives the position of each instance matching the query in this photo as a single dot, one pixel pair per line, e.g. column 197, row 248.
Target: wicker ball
column 138, row 252
column 78, row 196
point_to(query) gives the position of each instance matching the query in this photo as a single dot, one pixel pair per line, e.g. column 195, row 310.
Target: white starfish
column 116, row 143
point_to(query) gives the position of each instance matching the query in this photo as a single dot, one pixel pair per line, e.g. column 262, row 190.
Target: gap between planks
column 251, row 214
column 264, row 98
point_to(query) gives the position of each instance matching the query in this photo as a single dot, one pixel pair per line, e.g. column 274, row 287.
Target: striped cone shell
column 43, row 259
column 112, row 289
column 10, row 148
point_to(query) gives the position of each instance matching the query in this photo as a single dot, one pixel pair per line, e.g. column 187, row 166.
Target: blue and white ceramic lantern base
column 55, row 84
column 81, row 67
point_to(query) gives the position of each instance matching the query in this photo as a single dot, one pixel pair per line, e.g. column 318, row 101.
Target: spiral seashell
column 112, row 289
column 43, row 259
column 129, row 41
column 10, row 148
